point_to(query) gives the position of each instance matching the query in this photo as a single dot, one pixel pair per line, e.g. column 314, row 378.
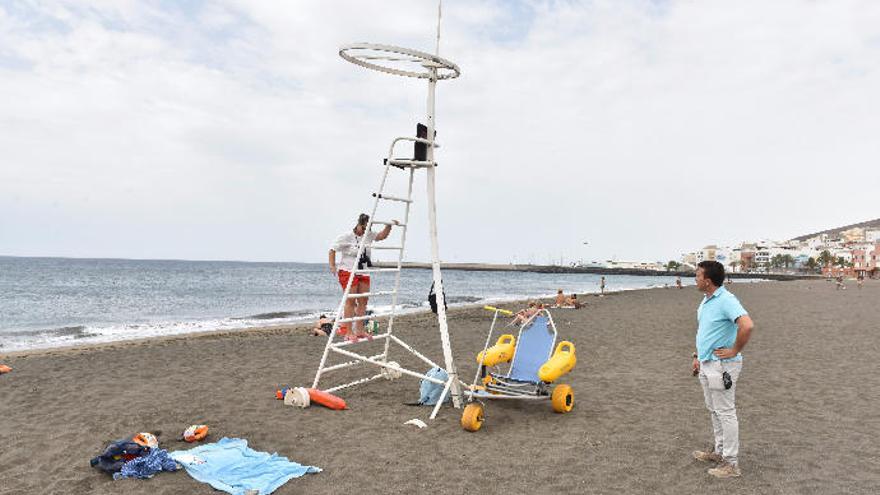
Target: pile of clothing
column 137, row 457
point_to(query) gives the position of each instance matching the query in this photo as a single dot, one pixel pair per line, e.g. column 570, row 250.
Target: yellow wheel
column 472, row 417
column 563, row 398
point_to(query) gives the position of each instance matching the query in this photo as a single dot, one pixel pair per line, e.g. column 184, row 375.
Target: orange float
column 195, row 433
column 327, row 399
column 303, row 397
column 4, row 369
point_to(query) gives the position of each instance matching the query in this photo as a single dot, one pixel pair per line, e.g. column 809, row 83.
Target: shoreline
column 283, row 328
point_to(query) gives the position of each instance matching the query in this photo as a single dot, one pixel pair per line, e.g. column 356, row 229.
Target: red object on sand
column 326, row 399
column 4, row 369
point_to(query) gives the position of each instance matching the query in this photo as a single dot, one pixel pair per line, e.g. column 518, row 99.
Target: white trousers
column 721, row 404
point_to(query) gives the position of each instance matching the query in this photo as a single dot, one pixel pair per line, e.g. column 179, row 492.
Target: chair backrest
column 533, row 349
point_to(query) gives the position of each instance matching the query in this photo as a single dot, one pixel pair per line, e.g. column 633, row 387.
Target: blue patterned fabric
column 155, row 461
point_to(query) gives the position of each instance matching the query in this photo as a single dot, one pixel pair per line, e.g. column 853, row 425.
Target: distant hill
column 870, row 224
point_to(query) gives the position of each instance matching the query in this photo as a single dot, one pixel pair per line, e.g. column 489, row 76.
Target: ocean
column 54, row 302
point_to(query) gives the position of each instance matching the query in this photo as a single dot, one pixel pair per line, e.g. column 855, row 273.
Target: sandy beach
column 808, row 407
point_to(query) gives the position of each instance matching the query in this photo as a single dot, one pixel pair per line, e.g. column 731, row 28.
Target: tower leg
column 455, row 388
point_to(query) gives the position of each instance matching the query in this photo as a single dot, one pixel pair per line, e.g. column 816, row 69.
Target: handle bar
column 499, row 310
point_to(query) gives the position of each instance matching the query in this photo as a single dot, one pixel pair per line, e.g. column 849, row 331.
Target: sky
column 633, row 130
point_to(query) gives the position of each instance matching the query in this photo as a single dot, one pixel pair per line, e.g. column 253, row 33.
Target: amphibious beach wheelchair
column 536, row 362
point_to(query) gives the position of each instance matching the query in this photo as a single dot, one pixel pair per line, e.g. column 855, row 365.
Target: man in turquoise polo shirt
column 723, row 329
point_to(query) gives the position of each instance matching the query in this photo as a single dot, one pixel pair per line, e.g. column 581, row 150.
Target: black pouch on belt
column 432, row 300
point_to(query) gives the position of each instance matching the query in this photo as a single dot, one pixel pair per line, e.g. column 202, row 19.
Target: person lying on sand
column 323, row 326
column 524, row 315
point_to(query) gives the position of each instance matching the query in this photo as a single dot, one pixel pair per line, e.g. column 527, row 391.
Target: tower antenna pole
column 455, row 389
column 439, row 16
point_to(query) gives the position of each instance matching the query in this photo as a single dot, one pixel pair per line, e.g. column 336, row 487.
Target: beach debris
column 5, row 369
column 195, row 433
column 416, row 422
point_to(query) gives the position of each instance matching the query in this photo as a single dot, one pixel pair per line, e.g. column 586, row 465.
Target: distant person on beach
column 347, row 247
column 678, row 282
column 560, row 298
column 860, row 280
column 602, row 285
column 838, row 282
column 723, row 330
column 573, row 301
column 322, row 327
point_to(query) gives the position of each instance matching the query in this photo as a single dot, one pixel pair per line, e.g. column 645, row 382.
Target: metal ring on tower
column 399, row 61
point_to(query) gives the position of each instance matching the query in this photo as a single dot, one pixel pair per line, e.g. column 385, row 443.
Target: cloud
column 233, row 130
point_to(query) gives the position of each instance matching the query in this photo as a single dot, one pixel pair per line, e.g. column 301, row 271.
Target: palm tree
column 825, row 258
column 776, row 261
column 811, row 264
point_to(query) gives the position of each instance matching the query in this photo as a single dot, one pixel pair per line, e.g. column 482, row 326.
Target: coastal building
column 849, row 252
column 689, row 259
column 747, row 256
column 708, row 253
column 864, row 260
column 762, row 255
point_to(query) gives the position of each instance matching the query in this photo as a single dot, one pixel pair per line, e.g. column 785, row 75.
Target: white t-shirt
column 346, row 246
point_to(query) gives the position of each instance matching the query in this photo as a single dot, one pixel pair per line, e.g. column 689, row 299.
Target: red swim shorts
column 358, row 278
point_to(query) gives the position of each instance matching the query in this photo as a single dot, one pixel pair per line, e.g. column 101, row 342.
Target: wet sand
column 807, row 398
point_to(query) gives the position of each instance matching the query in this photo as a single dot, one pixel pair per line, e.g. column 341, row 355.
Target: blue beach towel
column 233, row 467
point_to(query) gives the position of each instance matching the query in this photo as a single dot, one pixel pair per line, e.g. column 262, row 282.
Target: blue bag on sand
column 117, row 454
column 430, row 391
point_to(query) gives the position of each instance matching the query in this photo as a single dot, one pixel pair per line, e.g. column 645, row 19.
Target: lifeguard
column 347, row 247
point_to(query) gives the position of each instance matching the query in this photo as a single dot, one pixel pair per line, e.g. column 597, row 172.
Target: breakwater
column 490, row 267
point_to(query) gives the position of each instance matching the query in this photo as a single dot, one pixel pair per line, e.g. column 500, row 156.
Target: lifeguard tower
column 432, row 69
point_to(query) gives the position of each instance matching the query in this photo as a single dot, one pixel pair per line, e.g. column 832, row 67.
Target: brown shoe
column 725, row 470
column 707, row 456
